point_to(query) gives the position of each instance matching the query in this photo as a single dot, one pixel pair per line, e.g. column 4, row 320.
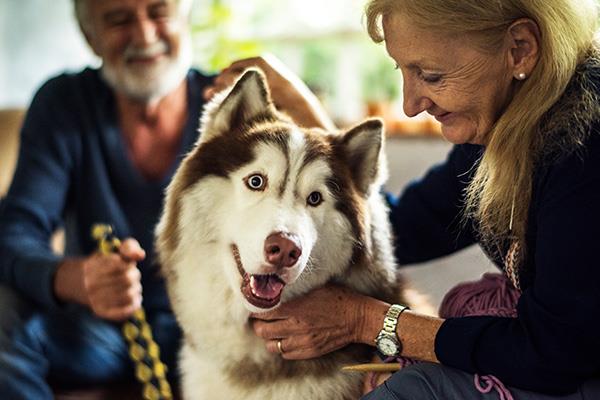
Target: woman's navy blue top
column 554, row 343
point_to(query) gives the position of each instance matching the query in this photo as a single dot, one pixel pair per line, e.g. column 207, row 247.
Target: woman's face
column 464, row 88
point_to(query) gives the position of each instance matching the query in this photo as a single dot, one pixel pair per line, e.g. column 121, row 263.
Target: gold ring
column 279, row 347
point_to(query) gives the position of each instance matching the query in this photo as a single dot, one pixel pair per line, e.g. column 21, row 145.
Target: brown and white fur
column 215, row 242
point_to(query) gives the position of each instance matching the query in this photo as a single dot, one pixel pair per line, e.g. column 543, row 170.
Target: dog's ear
column 248, row 99
column 363, row 147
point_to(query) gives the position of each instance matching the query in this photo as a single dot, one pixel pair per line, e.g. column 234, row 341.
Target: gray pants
column 427, row 381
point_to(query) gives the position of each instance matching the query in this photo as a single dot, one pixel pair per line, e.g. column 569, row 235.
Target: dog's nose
column 282, row 249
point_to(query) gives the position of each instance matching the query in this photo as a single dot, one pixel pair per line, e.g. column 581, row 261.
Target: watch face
column 387, row 346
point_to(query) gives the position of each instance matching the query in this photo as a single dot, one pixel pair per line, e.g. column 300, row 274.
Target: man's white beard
column 153, row 82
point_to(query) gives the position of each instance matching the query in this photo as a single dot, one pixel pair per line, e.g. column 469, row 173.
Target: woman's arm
column 332, row 317
column 427, row 218
column 416, row 331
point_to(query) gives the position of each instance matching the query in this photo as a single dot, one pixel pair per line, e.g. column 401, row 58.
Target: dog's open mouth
column 263, row 291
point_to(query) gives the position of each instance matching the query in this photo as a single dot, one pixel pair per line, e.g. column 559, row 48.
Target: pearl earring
column 521, row 76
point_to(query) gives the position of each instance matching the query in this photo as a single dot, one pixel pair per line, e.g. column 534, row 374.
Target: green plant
column 380, row 81
column 215, row 46
column 319, row 59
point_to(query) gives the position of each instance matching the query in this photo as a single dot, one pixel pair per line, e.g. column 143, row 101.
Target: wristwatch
column 387, row 341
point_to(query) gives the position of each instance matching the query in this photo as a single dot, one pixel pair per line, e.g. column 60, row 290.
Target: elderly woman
column 515, row 85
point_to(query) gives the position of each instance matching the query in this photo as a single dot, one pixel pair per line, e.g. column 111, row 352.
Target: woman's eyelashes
column 430, row 78
column 426, row 77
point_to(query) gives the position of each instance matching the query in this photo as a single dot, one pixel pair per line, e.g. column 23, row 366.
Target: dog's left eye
column 256, row 182
column 314, row 199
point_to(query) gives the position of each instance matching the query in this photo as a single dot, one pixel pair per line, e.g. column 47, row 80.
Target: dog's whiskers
column 310, row 268
column 310, row 265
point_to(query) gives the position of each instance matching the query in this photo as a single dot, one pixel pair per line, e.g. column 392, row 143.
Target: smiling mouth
column 442, row 117
column 141, row 60
column 261, row 290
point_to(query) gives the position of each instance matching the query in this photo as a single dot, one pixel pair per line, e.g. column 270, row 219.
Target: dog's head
column 286, row 206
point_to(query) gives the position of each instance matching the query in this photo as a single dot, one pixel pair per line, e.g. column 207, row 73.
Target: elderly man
column 96, row 146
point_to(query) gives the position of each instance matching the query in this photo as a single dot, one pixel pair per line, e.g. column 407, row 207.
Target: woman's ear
column 524, row 46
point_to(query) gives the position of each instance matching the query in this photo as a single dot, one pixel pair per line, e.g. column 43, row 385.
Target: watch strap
column 390, row 322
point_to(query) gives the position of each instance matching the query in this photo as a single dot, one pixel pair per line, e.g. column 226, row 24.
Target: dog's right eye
column 314, row 199
column 256, row 182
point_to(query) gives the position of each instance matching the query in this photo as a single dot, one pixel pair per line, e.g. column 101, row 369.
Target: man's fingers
column 116, row 295
column 229, row 74
column 120, row 313
column 131, row 250
column 118, row 306
column 208, row 93
column 221, row 83
column 113, row 281
column 132, row 275
column 240, row 65
column 119, row 275
column 225, row 79
column 130, row 298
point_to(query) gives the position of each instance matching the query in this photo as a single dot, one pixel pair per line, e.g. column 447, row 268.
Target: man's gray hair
column 83, row 16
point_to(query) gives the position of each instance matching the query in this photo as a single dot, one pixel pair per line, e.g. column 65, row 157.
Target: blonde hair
column 498, row 197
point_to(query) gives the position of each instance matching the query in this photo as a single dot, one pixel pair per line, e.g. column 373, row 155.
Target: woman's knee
column 416, row 382
column 413, row 382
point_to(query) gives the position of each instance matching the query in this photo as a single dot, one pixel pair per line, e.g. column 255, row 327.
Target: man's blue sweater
column 74, row 169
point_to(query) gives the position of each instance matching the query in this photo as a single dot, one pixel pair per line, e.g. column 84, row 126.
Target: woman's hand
column 332, row 317
column 317, row 323
column 290, row 95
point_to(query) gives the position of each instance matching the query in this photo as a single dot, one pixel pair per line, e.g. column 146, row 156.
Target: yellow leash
column 143, row 350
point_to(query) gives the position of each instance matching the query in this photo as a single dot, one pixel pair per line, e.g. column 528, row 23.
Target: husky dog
column 262, row 211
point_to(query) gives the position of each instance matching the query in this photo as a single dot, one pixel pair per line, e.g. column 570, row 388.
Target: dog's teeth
column 253, row 285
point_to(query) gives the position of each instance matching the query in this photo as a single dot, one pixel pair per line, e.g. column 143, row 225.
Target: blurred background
column 323, row 41
column 328, row 49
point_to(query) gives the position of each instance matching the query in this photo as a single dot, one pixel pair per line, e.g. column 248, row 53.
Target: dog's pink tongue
column 266, row 286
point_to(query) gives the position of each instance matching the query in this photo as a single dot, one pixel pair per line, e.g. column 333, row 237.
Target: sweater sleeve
column 33, row 207
column 552, row 346
column 427, row 216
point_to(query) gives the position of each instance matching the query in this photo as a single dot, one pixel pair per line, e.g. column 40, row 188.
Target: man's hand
column 109, row 284
column 290, row 95
column 317, row 323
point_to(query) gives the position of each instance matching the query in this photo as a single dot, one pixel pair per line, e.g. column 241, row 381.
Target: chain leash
column 150, row 371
